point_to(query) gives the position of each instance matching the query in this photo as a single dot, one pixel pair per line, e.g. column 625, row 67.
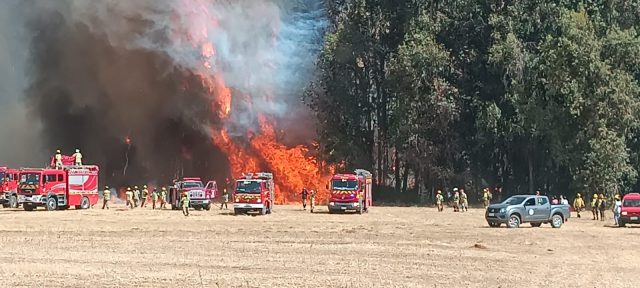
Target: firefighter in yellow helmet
column 485, row 197
column 136, row 195
column 184, row 202
column 594, row 206
column 58, row 158
column 578, row 204
column 129, row 194
column 312, row 198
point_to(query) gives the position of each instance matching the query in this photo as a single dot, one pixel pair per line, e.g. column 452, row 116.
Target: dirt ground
column 389, row 247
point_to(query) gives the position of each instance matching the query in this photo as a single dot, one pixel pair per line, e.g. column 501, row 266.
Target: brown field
column 389, row 247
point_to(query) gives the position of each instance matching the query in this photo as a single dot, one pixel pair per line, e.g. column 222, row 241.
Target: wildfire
column 257, row 151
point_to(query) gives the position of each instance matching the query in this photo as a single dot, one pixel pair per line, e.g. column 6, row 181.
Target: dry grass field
column 389, row 247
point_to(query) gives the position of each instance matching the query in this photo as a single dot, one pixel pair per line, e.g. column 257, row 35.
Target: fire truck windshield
column 344, row 184
column 251, row 187
column 30, row 178
column 192, row 184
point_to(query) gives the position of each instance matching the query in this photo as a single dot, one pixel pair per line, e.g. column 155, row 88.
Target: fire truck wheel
column 198, row 208
column 52, row 204
column 207, row 207
column 28, row 207
column 13, row 201
column 84, row 203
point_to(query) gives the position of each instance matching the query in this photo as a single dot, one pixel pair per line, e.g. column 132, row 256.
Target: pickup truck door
column 543, row 208
column 530, row 207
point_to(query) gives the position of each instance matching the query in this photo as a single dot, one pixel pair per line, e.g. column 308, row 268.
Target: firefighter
column 578, row 204
column 58, row 158
column 106, row 196
column 594, row 206
column 602, row 206
column 485, row 198
column 225, row 199
column 464, row 202
column 145, row 195
column 617, row 207
column 440, row 201
column 304, row 198
column 312, row 200
column 163, row 197
column 77, row 158
column 154, row 198
column 184, row 201
column 456, row 200
column 129, row 194
column 136, row 195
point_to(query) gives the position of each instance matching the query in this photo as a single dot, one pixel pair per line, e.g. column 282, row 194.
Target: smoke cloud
column 91, row 74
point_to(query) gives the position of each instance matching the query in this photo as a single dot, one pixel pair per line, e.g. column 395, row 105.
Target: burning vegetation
column 154, row 90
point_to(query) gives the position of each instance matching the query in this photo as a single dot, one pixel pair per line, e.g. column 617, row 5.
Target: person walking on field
column 486, row 198
column 440, row 201
column 464, row 202
column 578, row 204
column 184, row 201
column 136, row 195
column 129, row 194
column 225, row 199
column 106, row 196
column 617, row 207
column 304, row 198
column 456, row 200
column 312, row 198
column 602, row 206
column 154, row 198
column 163, row 197
column 145, row 194
column 594, row 206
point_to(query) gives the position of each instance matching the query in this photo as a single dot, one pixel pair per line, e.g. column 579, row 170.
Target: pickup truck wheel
column 556, row 221
column 198, row 208
column 514, row 221
column 621, row 224
column 536, row 224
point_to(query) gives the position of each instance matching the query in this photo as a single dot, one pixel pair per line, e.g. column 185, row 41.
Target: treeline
column 522, row 94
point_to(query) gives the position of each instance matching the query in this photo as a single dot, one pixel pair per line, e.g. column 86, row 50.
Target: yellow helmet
column 578, row 195
column 595, row 195
column 145, row 186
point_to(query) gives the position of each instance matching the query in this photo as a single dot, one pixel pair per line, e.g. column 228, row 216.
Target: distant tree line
column 522, row 94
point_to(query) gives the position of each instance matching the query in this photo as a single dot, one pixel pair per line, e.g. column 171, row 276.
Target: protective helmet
column 164, row 188
column 455, row 189
column 144, row 186
column 439, row 192
column 58, row 151
column 617, row 197
column 135, row 187
column 128, row 188
column 106, row 187
column 595, row 195
column 578, row 195
column 77, row 150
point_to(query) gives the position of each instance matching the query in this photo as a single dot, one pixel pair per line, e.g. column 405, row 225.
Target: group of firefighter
column 460, row 200
column 136, row 197
column 598, row 206
column 77, row 159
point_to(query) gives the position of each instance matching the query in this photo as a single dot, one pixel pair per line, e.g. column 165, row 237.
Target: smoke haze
column 90, row 74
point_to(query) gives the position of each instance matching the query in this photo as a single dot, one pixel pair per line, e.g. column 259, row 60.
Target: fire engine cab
column 254, row 192
column 350, row 192
column 58, row 188
column 8, row 187
column 200, row 196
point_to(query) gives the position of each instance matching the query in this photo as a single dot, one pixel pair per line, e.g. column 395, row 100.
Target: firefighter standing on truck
column 184, row 201
column 154, row 198
column 58, row 158
column 136, row 195
column 304, row 198
column 145, row 195
column 77, row 158
column 163, row 197
column 129, row 194
column 312, row 198
column 106, row 196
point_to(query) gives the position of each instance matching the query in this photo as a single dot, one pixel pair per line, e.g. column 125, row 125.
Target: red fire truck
column 200, row 196
column 254, row 192
column 58, row 189
column 350, row 192
column 8, row 187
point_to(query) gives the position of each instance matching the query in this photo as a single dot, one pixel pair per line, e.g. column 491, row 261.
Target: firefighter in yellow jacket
column 163, row 197
column 440, row 201
column 578, row 204
column 58, row 158
column 486, row 198
column 144, row 196
column 154, row 198
column 136, row 195
column 312, row 196
column 184, row 202
column 594, row 206
column 106, row 196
